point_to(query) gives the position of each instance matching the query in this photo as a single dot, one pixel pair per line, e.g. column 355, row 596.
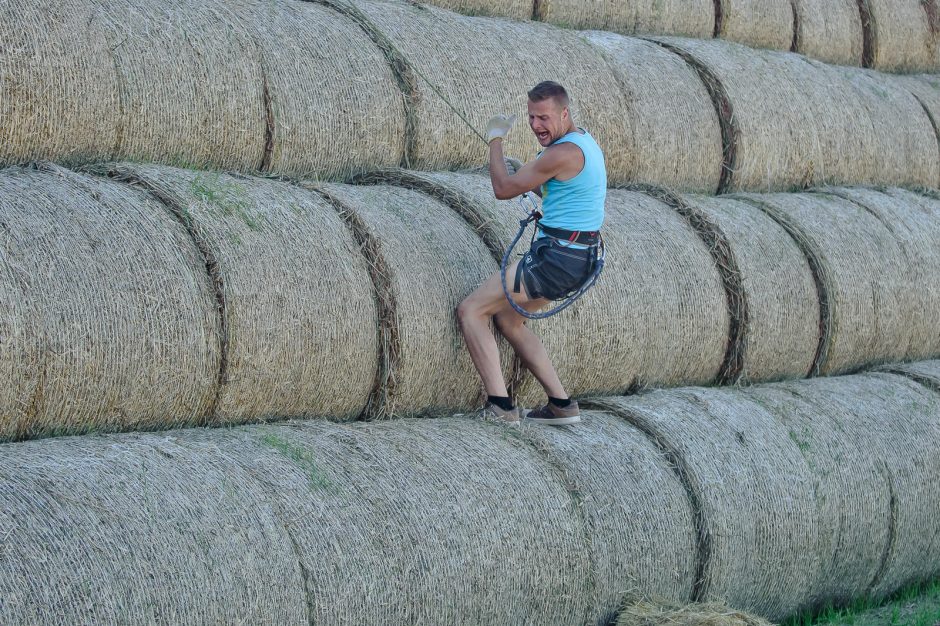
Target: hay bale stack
column 829, row 125
column 454, row 521
column 925, row 372
column 472, row 61
column 630, row 496
column 757, row 23
column 432, row 260
column 142, row 528
column 751, row 492
column 191, row 84
column 59, row 90
column 781, row 332
column 926, row 89
column 676, row 17
column 126, row 329
column 903, row 35
column 333, row 102
column 677, row 140
column 298, row 306
column 895, row 430
column 829, row 30
column 916, row 228
column 860, row 266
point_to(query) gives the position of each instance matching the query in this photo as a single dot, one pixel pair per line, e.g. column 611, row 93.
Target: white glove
column 498, row 127
column 512, row 165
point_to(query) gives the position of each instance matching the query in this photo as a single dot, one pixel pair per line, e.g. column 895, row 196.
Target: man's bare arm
column 555, row 161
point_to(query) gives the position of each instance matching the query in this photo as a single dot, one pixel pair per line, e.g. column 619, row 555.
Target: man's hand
column 498, row 127
column 512, row 165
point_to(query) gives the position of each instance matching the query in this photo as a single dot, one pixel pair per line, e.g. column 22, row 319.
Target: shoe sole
column 556, row 421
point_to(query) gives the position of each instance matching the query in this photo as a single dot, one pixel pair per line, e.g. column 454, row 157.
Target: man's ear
column 565, row 113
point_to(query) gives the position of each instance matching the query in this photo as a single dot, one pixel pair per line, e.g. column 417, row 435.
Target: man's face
column 548, row 120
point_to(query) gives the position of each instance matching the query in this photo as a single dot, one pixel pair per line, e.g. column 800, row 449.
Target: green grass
column 229, row 197
column 302, row 458
column 917, row 605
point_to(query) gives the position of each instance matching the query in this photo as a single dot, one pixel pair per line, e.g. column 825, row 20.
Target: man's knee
column 467, row 311
column 508, row 322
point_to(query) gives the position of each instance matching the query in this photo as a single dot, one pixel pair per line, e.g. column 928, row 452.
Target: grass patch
column 916, row 605
column 229, row 197
column 303, row 459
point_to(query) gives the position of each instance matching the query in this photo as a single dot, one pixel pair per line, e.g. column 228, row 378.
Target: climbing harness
column 533, row 214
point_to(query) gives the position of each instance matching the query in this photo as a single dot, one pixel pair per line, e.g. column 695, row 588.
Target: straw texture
column 829, row 30
column 299, row 309
column 58, row 88
column 781, row 332
column 480, row 68
column 925, row 372
column 757, row 23
column 695, row 18
column 334, row 105
column 861, row 267
column 452, row 521
column 926, row 89
column 617, row 472
column 125, row 332
column 798, row 123
column 897, row 428
column 752, row 493
column 659, row 614
column 433, row 260
column 904, row 35
column 677, row 136
column 191, row 84
column 515, row 9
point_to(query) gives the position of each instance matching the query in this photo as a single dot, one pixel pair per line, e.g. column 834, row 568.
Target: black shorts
column 551, row 269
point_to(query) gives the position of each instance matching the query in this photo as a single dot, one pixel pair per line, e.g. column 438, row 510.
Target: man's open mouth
column 543, row 136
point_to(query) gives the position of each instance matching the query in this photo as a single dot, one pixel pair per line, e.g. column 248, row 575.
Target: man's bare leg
column 474, row 313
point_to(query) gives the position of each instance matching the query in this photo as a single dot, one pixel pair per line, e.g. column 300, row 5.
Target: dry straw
column 515, row 9
column 757, row 23
column 801, row 123
column 887, row 426
column 829, row 30
column 485, row 66
column 453, row 521
column 191, row 84
column 781, row 332
column 861, row 268
column 676, row 140
column 616, row 473
column 333, row 103
column 926, row 89
column 925, row 372
column 298, row 306
column 751, row 491
column 686, row 18
column 122, row 329
column 59, row 93
column 658, row 613
column 903, row 34
column 433, row 260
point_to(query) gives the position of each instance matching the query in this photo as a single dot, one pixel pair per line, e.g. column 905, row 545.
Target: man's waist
column 582, row 237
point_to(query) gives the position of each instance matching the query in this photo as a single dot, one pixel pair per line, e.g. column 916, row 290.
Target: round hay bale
column 141, row 529
column 751, row 492
column 776, row 141
column 19, row 343
column 757, row 23
column 926, row 89
column 695, row 18
column 897, row 426
column 917, row 230
column 698, row 614
column 191, row 84
column 433, row 259
column 58, row 87
column 851, row 494
column 478, row 65
column 297, row 302
column 781, row 332
column 127, row 327
column 515, row 9
column 903, row 35
column 677, row 136
column 323, row 123
column 925, row 372
column 860, row 267
column 638, row 515
column 829, row 30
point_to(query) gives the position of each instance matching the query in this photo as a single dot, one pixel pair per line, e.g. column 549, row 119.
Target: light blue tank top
column 578, row 203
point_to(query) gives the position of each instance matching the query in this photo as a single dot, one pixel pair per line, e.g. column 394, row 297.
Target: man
column 571, row 178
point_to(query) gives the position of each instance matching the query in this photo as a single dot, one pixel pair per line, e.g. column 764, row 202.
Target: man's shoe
column 498, row 414
column 555, row 415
